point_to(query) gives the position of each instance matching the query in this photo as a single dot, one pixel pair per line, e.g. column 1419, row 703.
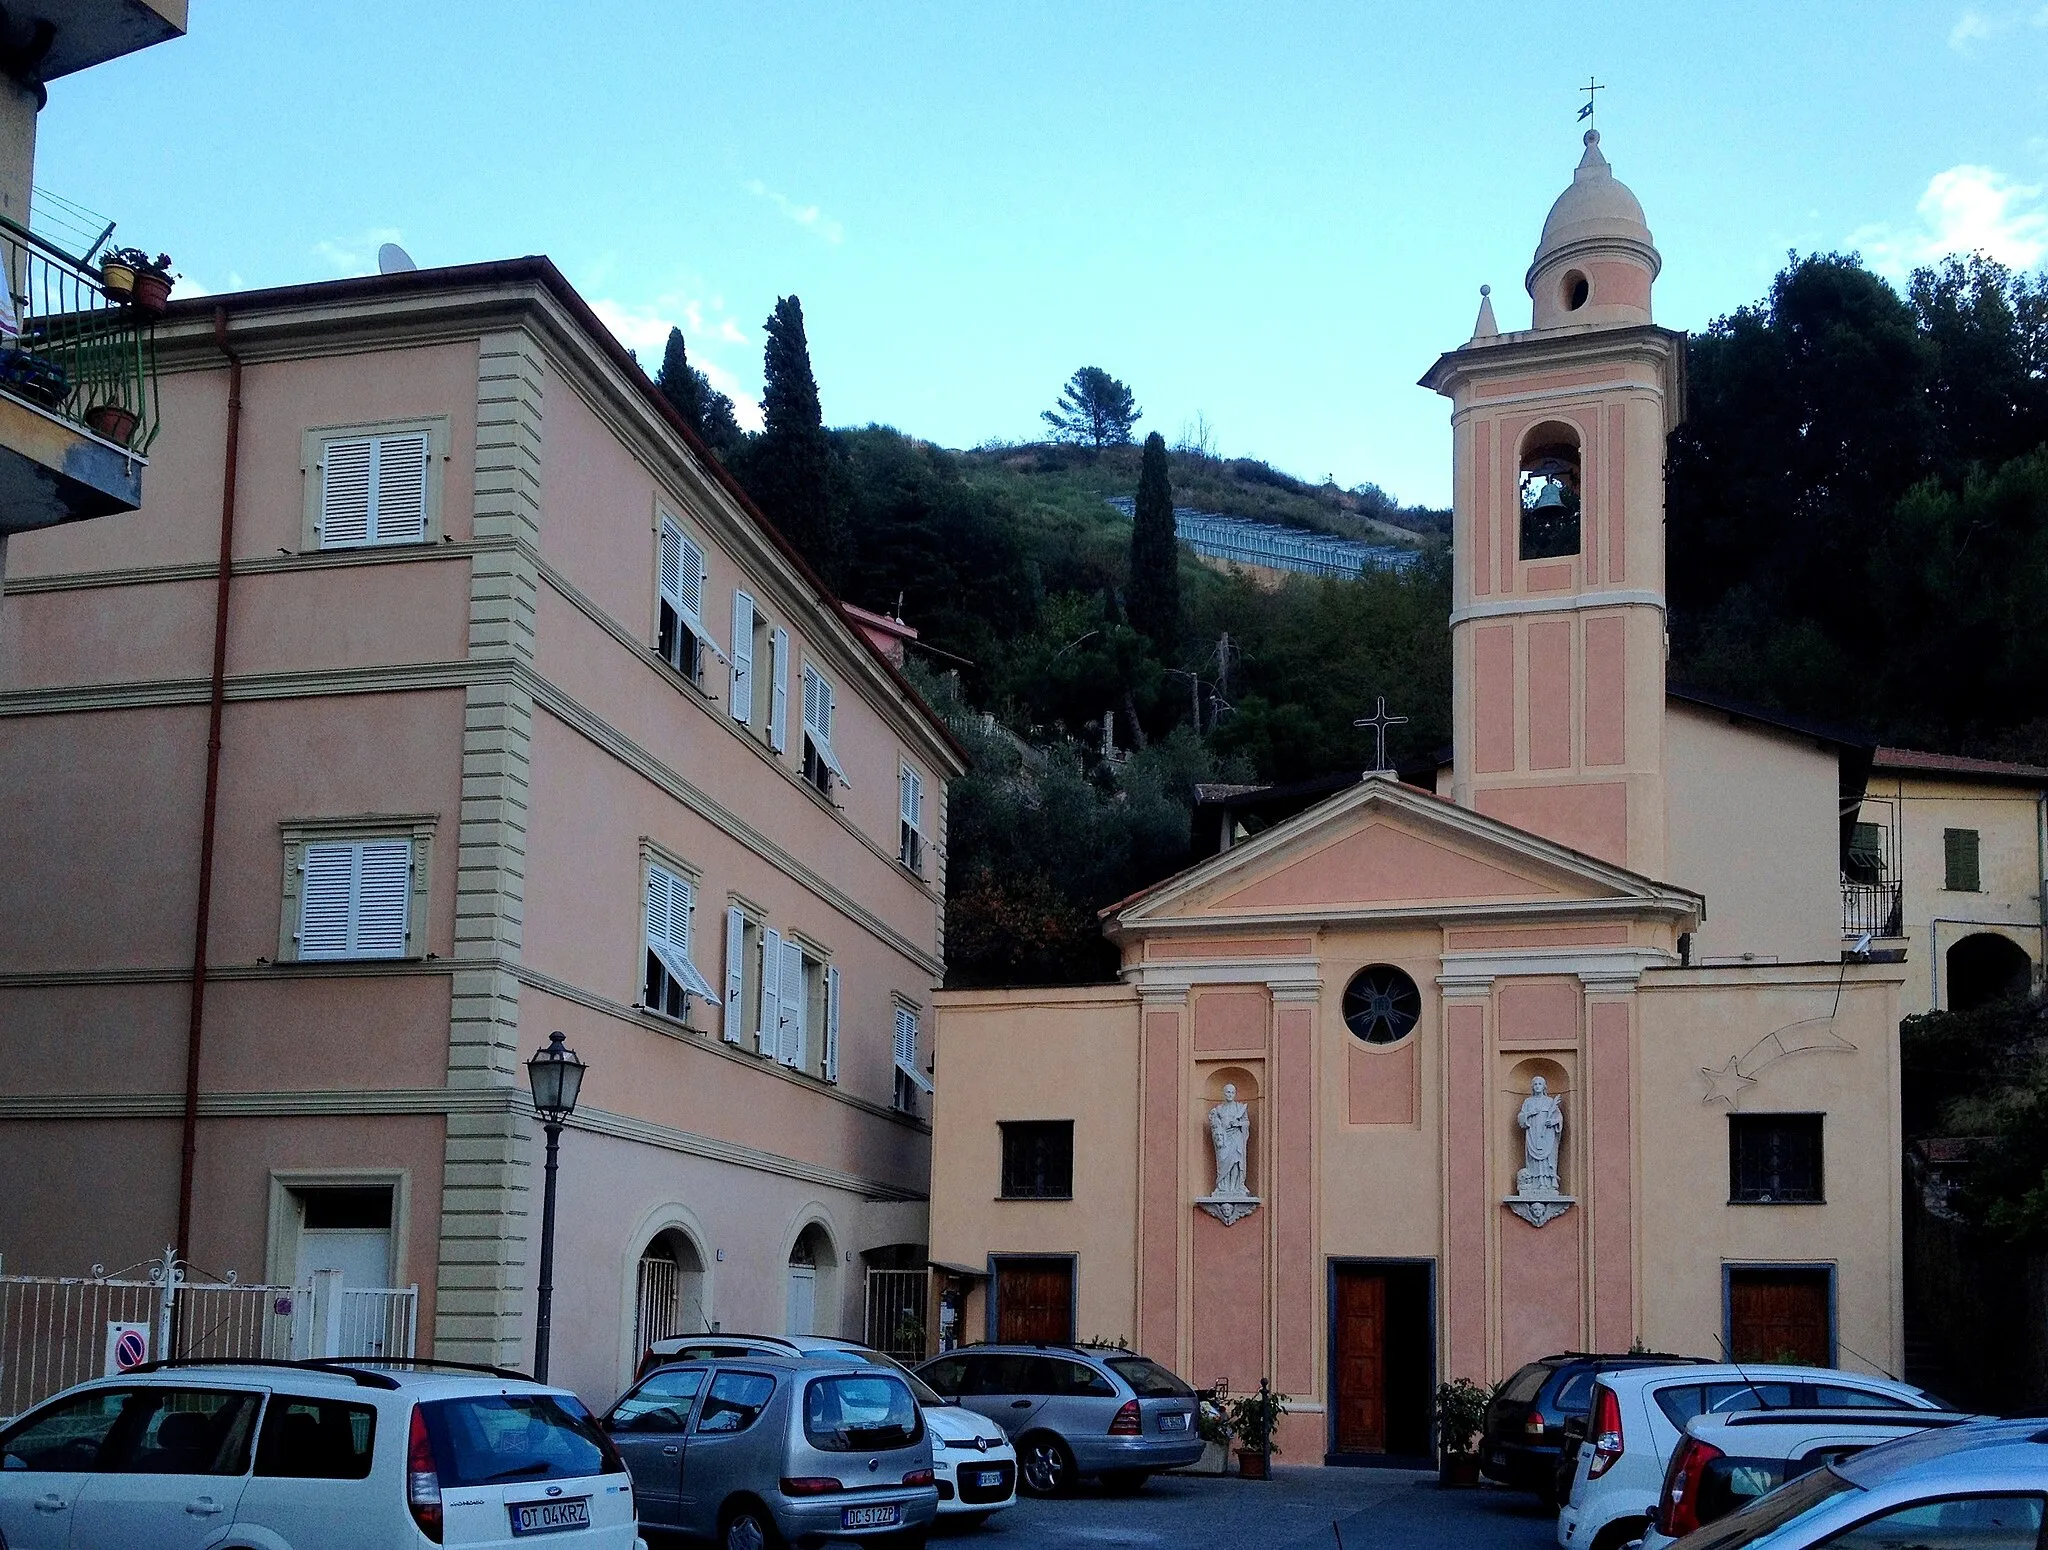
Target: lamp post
column 555, row 1075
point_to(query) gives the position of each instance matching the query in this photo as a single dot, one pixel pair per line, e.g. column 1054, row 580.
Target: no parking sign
column 127, row 1347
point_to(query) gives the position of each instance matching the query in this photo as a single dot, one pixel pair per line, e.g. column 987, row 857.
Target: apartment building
column 527, row 721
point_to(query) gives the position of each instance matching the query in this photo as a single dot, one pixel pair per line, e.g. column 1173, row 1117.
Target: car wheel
column 1045, row 1465
column 1619, row 1533
column 749, row 1528
column 1125, row 1482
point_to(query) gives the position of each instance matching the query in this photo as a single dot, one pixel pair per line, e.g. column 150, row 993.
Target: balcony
column 78, row 390
column 1875, row 909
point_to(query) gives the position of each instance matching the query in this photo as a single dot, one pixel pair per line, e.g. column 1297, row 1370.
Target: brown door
column 1034, row 1301
column 1361, row 1316
column 1779, row 1316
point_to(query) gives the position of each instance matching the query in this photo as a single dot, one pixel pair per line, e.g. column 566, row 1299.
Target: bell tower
column 1557, row 611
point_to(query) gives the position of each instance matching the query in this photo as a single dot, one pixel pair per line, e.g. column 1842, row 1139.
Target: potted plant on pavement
column 1253, row 1420
column 1460, row 1418
column 1212, row 1425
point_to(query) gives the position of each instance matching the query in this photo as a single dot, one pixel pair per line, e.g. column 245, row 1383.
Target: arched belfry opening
column 1549, row 489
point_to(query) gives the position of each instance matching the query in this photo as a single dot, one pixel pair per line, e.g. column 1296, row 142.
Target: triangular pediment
column 1384, row 848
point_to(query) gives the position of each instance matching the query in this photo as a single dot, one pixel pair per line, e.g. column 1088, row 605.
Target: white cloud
column 357, row 254
column 810, row 217
column 1971, row 28
column 1967, row 209
column 642, row 327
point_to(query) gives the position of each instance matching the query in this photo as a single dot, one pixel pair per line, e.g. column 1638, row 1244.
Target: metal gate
column 59, row 1330
column 659, row 1314
column 896, row 1304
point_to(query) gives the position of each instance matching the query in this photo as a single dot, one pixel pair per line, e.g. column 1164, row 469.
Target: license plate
column 989, row 1477
column 551, row 1517
column 884, row 1516
column 1174, row 1421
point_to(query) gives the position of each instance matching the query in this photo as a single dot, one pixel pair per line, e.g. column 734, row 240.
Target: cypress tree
column 680, row 382
column 1154, row 593
column 792, row 459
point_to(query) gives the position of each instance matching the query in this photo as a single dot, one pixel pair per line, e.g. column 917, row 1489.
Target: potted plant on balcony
column 117, row 272
column 1253, row 1420
column 1460, row 1418
column 153, row 280
column 116, row 422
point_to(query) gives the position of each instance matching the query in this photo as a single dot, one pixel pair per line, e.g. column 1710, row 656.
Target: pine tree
column 1154, row 593
column 791, row 461
column 681, row 383
column 1094, row 409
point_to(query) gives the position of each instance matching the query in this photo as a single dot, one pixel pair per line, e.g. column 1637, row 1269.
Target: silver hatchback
column 763, row 1448
column 1075, row 1411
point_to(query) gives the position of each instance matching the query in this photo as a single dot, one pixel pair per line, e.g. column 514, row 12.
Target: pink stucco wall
column 1159, row 1188
column 1613, row 1176
column 1296, row 1281
column 1466, row 1108
column 1230, row 1314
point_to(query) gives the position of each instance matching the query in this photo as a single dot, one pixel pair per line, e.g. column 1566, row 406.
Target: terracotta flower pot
column 1253, row 1464
column 113, row 421
column 152, row 292
column 1457, row 1469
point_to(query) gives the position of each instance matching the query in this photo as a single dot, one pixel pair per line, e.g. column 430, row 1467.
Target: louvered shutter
column 383, row 890
column 791, row 1052
column 778, row 697
column 906, row 1049
column 669, row 900
column 742, row 706
column 401, row 507
column 813, row 684
column 659, row 905
column 690, row 579
column 345, row 486
column 768, row 1034
column 327, row 876
column 831, row 1024
column 669, row 573
column 818, row 721
column 735, row 973
column 910, row 792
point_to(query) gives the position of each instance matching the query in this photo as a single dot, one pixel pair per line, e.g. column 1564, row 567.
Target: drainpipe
column 202, row 922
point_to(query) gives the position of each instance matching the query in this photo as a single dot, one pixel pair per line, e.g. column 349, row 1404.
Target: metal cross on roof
column 1378, row 722
column 1589, row 88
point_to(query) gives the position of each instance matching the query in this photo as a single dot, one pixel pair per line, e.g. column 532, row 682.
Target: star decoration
column 1726, row 1082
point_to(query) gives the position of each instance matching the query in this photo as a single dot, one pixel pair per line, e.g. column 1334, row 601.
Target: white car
column 973, row 1463
column 310, row 1456
column 1724, row 1462
column 1637, row 1416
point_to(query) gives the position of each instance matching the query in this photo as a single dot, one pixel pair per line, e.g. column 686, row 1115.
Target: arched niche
column 1245, row 1078
column 1558, row 1078
column 1550, row 486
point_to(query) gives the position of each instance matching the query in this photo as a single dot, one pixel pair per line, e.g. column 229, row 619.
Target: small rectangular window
column 373, row 490
column 354, row 898
column 1775, row 1159
column 681, row 576
column 1959, row 855
column 671, row 975
column 821, row 764
column 910, row 1077
column 1038, row 1159
column 910, row 805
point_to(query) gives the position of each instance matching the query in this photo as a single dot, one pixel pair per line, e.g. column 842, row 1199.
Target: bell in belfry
column 1550, row 496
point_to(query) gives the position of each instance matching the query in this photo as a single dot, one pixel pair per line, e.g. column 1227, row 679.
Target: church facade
column 1417, row 1085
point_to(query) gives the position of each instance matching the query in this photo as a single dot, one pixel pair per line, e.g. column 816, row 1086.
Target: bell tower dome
column 1595, row 262
column 1557, row 551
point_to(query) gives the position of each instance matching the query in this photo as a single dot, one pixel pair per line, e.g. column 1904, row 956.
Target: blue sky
column 1272, row 216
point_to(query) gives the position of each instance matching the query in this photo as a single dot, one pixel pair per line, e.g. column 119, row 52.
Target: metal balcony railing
column 69, row 348
column 1872, row 907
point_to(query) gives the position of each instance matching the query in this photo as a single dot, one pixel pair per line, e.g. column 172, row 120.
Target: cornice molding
column 1578, row 602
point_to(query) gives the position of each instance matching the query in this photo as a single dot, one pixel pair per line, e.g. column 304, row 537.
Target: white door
column 803, row 1299
column 361, row 1254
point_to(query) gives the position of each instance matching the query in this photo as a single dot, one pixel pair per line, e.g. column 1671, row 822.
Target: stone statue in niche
column 1230, row 1133
column 1537, row 1198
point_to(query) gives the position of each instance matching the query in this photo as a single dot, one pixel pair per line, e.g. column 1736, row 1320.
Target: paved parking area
column 1372, row 1509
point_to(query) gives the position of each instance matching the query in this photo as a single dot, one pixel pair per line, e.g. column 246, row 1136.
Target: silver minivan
column 750, row 1451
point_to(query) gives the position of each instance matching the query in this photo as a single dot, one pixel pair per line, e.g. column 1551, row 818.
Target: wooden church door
column 1361, row 1361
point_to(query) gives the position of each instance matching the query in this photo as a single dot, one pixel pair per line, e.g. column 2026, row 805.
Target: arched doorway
column 1985, row 967
column 670, row 1298
column 812, row 1298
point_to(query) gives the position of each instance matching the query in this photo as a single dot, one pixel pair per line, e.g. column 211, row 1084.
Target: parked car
column 1525, row 1434
column 1636, row 1420
column 1978, row 1486
column 1075, row 1412
column 973, row 1464
column 1726, row 1461
column 752, row 1450
column 310, row 1456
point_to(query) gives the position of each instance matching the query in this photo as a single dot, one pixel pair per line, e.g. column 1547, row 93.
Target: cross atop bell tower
column 1557, row 614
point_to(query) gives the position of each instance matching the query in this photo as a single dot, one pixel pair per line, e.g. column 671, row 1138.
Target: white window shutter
column 778, row 699
column 768, row 1035
column 345, row 472
column 735, row 973
column 681, row 899
column 327, row 875
column 658, row 904
column 383, row 891
column 690, row 578
column 812, row 683
column 742, row 706
column 669, row 565
column 791, row 1052
column 906, row 1050
column 910, row 790
column 401, row 508
column 831, row 1024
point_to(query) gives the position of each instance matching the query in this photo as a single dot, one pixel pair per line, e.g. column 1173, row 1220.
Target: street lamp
column 555, row 1075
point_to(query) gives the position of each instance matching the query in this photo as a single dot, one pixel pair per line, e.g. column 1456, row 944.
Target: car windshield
column 1523, row 1386
column 1768, row 1514
column 493, row 1438
column 857, row 1411
column 923, row 1391
column 1149, row 1380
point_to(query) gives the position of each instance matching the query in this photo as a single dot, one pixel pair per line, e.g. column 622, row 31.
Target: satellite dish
column 393, row 259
